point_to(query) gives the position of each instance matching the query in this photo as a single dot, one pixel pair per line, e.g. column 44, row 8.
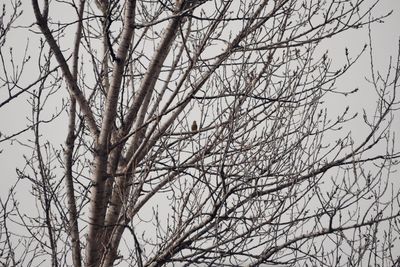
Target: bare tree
column 196, row 134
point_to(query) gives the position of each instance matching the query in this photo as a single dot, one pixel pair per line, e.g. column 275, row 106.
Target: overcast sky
column 385, row 44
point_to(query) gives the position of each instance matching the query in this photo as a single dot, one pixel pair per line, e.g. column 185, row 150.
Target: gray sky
column 385, row 45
